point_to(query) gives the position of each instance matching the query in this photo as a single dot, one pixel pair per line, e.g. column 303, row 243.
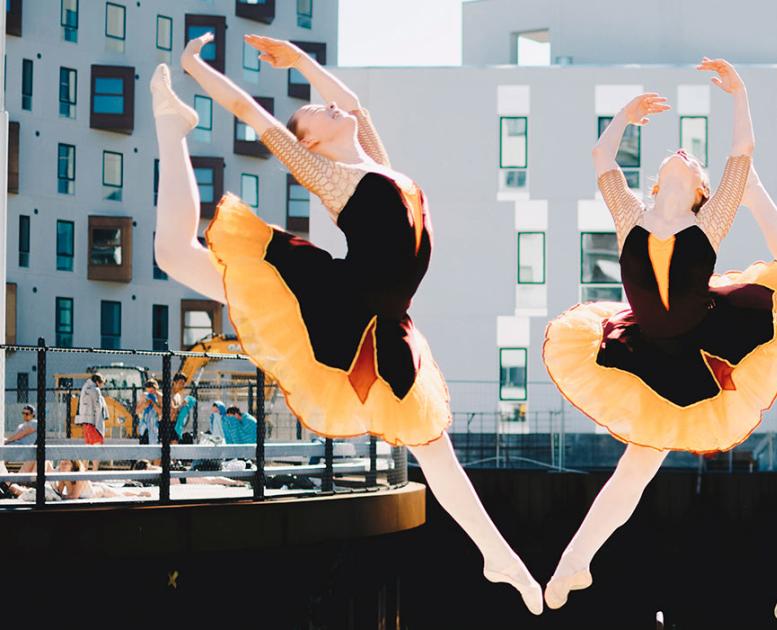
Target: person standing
column 92, row 412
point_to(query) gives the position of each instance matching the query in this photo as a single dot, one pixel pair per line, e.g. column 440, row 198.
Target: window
column 693, row 137
column 113, row 98
column 22, row 387
column 158, row 273
column 113, row 175
column 196, row 25
column 27, row 84
column 66, row 169
column 513, row 145
column 531, row 257
column 68, row 86
column 115, row 21
column 13, row 17
column 256, row 10
column 204, row 108
column 156, row 180
column 298, row 85
column 110, row 325
column 297, row 206
column 68, row 19
column 251, row 63
column 629, row 152
column 199, row 318
column 305, row 13
column 10, row 312
column 600, row 272
column 164, row 32
column 209, row 173
column 159, row 327
column 65, row 245
column 24, row 240
column 532, row 48
column 63, row 317
column 13, row 157
column 110, row 248
column 249, row 189
column 246, row 140
column 512, row 373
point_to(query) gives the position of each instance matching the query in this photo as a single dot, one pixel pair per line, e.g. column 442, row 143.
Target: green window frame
column 110, row 325
column 629, row 156
column 68, row 20
column 164, row 27
column 156, row 180
column 160, row 327
column 522, row 278
column 66, row 169
column 27, row 73
column 249, row 189
column 68, row 91
column 65, row 245
column 513, row 374
column 700, row 154
column 588, row 272
column 305, row 13
column 205, row 177
column 63, row 321
column 24, row 240
column 113, row 175
column 112, row 12
column 158, row 273
column 512, row 127
column 251, row 59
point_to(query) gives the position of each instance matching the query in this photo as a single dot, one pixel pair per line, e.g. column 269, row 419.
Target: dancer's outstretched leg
column 452, row 488
column 176, row 247
column 612, row 507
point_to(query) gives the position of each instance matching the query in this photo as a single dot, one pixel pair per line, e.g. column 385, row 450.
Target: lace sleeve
column 625, row 207
column 717, row 215
column 369, row 138
column 331, row 181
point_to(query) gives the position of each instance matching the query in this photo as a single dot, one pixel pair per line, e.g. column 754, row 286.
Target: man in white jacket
column 92, row 412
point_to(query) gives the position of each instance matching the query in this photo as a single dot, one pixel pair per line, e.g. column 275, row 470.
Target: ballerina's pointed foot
column 519, row 578
column 166, row 102
column 557, row 590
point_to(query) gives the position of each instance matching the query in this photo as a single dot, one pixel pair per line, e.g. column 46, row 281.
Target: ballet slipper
column 520, row 580
column 557, row 590
column 165, row 100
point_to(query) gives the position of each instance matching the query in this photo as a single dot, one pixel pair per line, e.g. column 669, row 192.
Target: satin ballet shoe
column 531, row 592
column 166, row 102
column 557, row 590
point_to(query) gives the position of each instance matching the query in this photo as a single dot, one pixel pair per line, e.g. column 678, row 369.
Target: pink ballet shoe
column 520, row 580
column 165, row 102
column 557, row 590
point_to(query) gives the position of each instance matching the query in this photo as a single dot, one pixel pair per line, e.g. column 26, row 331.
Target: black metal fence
column 187, row 457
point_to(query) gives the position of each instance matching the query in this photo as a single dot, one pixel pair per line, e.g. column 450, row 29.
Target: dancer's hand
column 277, row 52
column 640, row 107
column 728, row 79
column 193, row 48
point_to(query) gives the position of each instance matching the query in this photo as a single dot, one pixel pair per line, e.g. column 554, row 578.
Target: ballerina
column 334, row 333
column 691, row 363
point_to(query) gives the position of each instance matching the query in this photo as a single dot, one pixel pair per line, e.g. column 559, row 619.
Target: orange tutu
column 633, row 412
column 268, row 321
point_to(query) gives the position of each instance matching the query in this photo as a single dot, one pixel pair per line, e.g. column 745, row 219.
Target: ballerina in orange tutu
column 335, row 333
column 691, row 362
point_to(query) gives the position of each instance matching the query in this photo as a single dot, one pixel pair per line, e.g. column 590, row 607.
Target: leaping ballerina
column 691, row 363
column 334, row 333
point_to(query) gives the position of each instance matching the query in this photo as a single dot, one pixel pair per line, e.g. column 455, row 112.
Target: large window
column 693, row 137
column 66, row 169
column 600, row 272
column 13, row 156
column 160, row 331
column 63, row 317
column 113, row 175
column 531, row 257
column 196, row 25
column 13, row 17
column 513, row 152
column 512, row 373
column 68, row 20
column 156, row 180
column 209, row 173
column 298, row 85
column 199, row 318
column 305, row 13
column 249, row 189
column 204, row 108
column 164, row 33
column 256, row 10
column 251, row 63
column 65, row 245
column 532, row 48
column 110, row 325
column 113, row 98
column 10, row 313
column 110, row 248
column 27, row 84
column 68, row 91
column 115, row 21
column 158, row 272
column 246, row 140
column 629, row 153
column 297, row 206
column 24, row 240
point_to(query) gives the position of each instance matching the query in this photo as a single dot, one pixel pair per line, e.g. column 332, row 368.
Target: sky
column 400, row 33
